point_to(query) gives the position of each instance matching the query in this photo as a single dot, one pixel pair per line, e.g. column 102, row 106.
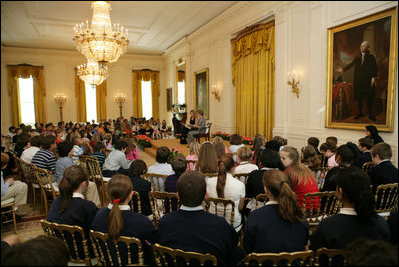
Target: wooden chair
column 386, row 198
column 367, row 167
column 166, row 256
column 97, row 177
column 299, row 258
column 261, row 198
column 206, row 135
column 124, row 251
column 30, row 179
column 221, row 207
column 330, row 257
column 157, row 181
column 73, row 236
column 46, row 186
column 322, row 205
column 7, row 208
column 135, row 203
column 243, row 177
column 161, row 203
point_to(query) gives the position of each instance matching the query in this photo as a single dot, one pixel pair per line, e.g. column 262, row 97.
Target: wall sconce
column 216, row 92
column 293, row 80
column 120, row 99
column 60, row 99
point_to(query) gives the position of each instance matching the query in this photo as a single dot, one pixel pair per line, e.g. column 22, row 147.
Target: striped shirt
column 45, row 159
column 77, row 151
column 100, row 157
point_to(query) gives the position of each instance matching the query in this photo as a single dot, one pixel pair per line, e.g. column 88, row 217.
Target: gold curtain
column 146, row 75
column 39, row 91
column 253, row 78
column 80, row 94
column 101, row 95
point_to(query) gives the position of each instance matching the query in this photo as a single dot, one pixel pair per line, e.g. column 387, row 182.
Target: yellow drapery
column 253, row 78
column 80, row 94
column 146, row 75
column 39, row 91
column 101, row 95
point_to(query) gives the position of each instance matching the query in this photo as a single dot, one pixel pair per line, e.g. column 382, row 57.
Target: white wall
column 59, row 76
column 301, row 43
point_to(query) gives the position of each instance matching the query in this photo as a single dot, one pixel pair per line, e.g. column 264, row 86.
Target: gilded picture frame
column 169, row 99
column 361, row 86
column 201, row 91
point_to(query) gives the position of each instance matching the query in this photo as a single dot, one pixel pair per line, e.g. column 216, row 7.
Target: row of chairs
column 129, row 251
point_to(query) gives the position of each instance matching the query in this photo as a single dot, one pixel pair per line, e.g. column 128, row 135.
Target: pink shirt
column 331, row 161
column 191, row 165
column 132, row 155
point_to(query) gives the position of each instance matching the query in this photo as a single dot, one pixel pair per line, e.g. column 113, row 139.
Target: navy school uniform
column 143, row 187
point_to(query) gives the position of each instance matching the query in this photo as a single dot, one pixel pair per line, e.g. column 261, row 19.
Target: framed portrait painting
column 201, row 81
column 361, row 78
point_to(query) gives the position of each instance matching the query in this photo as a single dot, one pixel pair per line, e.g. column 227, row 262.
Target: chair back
column 330, row 257
column 260, row 200
column 161, row 203
column 121, row 252
column 166, row 256
column 322, row 205
column 96, row 176
column 243, row 177
column 208, row 128
column 26, row 171
column 135, row 203
column 222, row 207
column 367, row 167
column 44, row 180
column 299, row 258
column 73, row 236
column 386, row 197
column 82, row 160
column 157, row 181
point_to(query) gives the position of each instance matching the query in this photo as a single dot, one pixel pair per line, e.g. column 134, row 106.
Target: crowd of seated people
column 275, row 169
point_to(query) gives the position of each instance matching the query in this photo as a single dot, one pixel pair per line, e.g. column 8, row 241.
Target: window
column 27, row 101
column 91, row 102
column 181, row 98
column 146, row 98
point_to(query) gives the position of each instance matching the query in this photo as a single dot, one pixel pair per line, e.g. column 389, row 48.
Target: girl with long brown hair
column 207, row 159
column 117, row 219
column 301, row 177
column 280, row 225
column 226, row 186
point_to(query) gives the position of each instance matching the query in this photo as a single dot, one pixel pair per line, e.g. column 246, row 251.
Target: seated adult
column 384, row 172
column 199, row 127
column 179, row 166
column 116, row 161
column 364, row 145
column 142, row 186
column 228, row 187
column 357, row 217
column 280, row 225
column 244, row 154
column 11, row 188
column 45, row 158
column 161, row 166
column 118, row 220
column 28, row 153
column 71, row 207
column 192, row 229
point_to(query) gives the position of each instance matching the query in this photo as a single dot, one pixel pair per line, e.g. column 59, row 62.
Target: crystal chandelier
column 93, row 72
column 101, row 42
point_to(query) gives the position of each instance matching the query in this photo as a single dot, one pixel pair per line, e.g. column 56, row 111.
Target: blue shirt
column 4, row 185
column 60, row 166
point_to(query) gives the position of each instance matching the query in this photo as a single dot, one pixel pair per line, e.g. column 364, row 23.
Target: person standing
column 364, row 79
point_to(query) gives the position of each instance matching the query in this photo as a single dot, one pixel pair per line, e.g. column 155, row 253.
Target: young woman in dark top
column 70, row 207
column 372, row 132
column 356, row 219
column 280, row 225
column 118, row 220
column 143, row 187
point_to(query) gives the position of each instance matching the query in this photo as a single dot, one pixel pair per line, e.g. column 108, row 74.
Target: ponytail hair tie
column 116, row 201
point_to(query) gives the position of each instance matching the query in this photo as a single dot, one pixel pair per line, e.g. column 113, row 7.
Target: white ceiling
column 153, row 26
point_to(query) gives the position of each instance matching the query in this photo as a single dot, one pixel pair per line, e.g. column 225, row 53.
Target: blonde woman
column 194, row 152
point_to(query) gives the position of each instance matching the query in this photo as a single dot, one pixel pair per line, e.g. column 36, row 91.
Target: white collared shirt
column 78, row 195
column 347, row 211
column 382, row 161
column 272, row 202
column 182, row 207
column 121, row 207
column 245, row 167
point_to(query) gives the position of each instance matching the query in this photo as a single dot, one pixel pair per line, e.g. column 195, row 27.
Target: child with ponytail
column 226, row 186
column 118, row 220
column 357, row 217
column 280, row 225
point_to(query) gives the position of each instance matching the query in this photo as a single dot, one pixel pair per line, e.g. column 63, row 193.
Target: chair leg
column 14, row 219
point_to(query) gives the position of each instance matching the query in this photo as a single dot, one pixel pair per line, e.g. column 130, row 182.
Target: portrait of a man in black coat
column 364, row 82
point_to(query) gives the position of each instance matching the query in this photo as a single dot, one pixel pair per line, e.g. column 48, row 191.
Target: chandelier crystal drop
column 102, row 41
column 93, row 72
